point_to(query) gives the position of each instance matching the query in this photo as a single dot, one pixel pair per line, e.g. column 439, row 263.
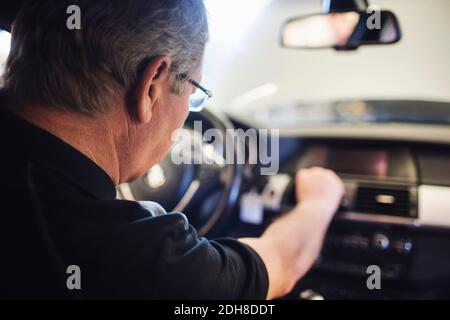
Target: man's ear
column 150, row 87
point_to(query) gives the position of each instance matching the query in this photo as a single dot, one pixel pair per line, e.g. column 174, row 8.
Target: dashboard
column 395, row 216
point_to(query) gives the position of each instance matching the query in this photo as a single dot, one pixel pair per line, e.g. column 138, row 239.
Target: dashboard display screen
column 378, row 163
column 361, row 162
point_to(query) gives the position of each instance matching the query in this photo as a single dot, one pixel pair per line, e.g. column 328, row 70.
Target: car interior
column 367, row 111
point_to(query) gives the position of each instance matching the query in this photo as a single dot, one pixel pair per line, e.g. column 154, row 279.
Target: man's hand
column 290, row 246
column 321, row 187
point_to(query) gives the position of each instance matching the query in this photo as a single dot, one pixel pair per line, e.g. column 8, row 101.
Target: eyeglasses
column 198, row 99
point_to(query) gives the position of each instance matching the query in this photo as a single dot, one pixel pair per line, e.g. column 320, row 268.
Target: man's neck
column 94, row 137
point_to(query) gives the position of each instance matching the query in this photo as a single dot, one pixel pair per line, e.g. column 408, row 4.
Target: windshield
column 248, row 71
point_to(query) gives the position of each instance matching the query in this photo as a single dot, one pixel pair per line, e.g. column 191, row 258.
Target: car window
column 5, row 39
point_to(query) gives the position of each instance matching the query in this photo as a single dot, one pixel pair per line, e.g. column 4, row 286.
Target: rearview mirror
column 341, row 30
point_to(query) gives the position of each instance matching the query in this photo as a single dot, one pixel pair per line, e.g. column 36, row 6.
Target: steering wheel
column 205, row 191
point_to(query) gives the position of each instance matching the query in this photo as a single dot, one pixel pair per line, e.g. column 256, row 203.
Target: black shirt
column 58, row 208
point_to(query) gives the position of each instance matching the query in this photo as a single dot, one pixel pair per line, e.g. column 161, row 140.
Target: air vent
column 388, row 201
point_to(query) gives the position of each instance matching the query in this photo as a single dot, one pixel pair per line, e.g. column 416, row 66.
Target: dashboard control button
column 381, row 241
column 403, row 246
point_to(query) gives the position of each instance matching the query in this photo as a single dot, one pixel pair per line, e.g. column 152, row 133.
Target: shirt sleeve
column 163, row 258
column 197, row 268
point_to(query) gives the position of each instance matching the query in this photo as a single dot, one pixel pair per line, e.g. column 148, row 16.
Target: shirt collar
column 47, row 150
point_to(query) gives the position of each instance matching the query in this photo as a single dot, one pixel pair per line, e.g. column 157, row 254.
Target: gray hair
column 87, row 70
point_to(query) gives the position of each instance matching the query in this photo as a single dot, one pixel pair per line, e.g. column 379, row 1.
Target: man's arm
column 290, row 246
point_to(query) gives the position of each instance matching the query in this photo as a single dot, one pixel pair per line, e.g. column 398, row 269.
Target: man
column 84, row 110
